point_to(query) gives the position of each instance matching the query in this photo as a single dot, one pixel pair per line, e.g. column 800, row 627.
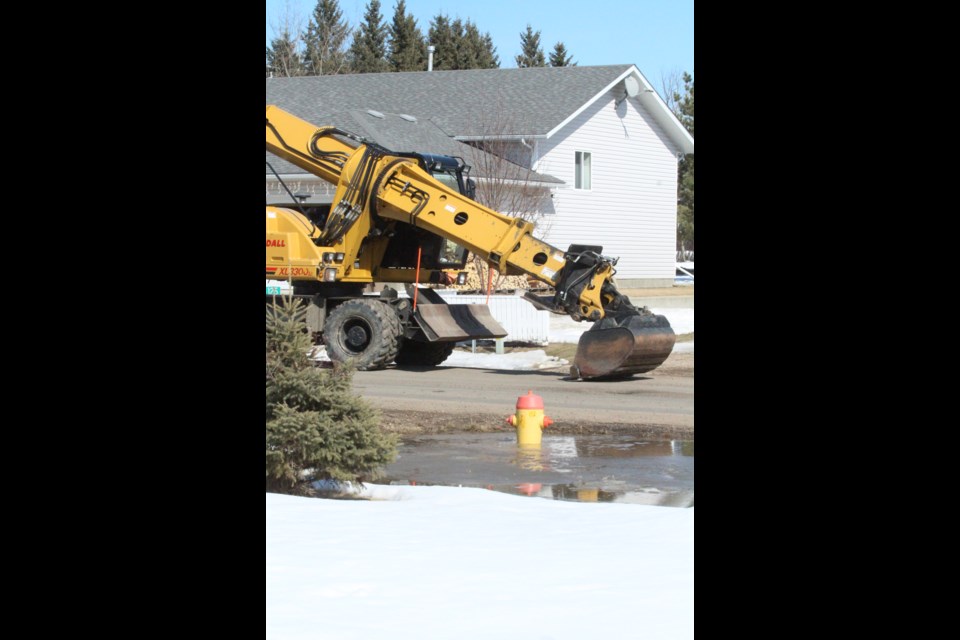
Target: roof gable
column 648, row 98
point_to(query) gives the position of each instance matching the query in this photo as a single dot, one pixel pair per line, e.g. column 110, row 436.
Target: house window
column 582, row 180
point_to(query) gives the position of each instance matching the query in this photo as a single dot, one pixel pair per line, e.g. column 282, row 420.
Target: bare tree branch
column 286, row 52
column 671, row 89
column 502, row 165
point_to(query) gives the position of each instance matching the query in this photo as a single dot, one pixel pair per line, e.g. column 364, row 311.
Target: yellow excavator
column 409, row 218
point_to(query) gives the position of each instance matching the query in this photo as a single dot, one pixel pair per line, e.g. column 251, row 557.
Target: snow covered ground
column 449, row 562
column 439, row 563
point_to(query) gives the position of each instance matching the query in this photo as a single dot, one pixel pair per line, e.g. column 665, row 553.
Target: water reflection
column 531, row 459
column 631, row 449
column 595, row 494
column 601, row 468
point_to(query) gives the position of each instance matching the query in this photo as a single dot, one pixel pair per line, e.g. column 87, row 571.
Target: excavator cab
column 450, row 170
column 437, row 252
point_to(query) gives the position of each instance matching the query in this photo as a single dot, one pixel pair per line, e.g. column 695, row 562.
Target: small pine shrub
column 316, row 427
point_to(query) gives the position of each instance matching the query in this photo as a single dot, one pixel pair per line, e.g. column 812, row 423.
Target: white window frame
column 578, row 170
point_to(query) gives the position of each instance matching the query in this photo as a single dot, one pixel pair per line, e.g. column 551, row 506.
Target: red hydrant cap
column 530, row 401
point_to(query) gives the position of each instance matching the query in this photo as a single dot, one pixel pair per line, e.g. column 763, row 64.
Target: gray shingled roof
column 402, row 134
column 534, row 100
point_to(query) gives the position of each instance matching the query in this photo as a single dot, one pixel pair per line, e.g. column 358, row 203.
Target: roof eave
column 298, row 176
column 537, row 183
column 521, row 136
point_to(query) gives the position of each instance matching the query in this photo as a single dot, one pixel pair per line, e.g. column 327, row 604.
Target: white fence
column 523, row 321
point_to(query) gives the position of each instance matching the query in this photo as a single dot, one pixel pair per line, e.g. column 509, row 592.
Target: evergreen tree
column 465, row 47
column 479, row 50
column 489, row 58
column 325, row 40
column 316, row 428
column 283, row 58
column 560, row 58
column 459, row 45
column 408, row 50
column 531, row 55
column 368, row 53
column 684, row 113
column 441, row 36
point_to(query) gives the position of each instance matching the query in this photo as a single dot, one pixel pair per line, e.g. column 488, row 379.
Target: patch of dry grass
column 561, row 350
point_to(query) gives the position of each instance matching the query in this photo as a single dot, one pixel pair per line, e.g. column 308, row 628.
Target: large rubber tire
column 424, row 354
column 366, row 332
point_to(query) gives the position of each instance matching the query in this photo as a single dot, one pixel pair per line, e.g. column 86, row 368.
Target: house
column 597, row 142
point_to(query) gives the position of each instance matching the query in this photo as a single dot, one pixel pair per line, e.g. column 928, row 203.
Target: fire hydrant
column 529, row 420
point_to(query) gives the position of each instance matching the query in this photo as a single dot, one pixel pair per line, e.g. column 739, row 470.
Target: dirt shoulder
column 431, row 422
column 468, row 417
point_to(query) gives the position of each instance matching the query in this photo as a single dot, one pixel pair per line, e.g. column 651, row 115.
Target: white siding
column 631, row 209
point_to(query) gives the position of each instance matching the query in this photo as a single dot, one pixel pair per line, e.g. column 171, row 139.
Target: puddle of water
column 586, row 468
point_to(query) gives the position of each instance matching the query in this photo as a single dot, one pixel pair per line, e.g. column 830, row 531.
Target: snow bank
column 448, row 562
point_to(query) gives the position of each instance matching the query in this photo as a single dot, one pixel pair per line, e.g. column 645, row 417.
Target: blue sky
column 655, row 35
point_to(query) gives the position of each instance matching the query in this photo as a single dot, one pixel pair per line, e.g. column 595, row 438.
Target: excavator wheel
column 424, row 354
column 366, row 332
column 637, row 344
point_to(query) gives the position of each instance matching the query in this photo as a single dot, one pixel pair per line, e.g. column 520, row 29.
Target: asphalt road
column 447, row 398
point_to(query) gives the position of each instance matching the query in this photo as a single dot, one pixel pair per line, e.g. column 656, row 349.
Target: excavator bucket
column 442, row 322
column 640, row 343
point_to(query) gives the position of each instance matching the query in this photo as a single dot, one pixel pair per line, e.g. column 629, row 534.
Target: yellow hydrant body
column 529, row 420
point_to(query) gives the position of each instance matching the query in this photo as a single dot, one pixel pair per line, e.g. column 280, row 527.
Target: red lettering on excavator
column 276, row 243
column 295, row 271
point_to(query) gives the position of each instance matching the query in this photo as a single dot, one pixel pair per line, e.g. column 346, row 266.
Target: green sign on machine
column 273, row 291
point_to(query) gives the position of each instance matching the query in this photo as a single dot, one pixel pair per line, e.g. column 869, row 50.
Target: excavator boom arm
column 375, row 187
column 406, row 193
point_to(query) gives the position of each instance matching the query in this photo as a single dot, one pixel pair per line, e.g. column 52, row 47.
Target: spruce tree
column 459, row 45
column 325, row 40
column 316, row 427
column 488, row 56
column 465, row 47
column 479, row 50
column 531, row 55
column 685, row 103
column 560, row 58
column 368, row 53
column 408, row 50
column 441, row 36
column 685, row 227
